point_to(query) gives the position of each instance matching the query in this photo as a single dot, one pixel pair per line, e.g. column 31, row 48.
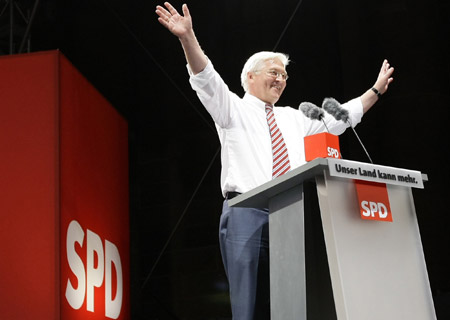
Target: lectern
column 376, row 268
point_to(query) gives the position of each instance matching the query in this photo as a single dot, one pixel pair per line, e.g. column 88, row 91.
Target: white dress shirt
column 244, row 134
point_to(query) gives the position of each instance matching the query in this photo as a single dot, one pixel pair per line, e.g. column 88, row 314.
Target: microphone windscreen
column 333, row 107
column 311, row 111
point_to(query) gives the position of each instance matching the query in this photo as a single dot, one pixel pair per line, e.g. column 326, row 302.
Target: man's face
column 264, row 84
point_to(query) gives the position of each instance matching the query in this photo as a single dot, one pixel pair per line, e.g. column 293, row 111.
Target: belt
column 230, row 195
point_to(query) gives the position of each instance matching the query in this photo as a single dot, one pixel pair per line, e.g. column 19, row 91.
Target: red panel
column 94, row 183
column 322, row 145
column 28, row 187
column 64, row 158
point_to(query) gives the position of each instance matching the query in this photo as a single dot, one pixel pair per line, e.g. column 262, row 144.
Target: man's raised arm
column 181, row 26
column 371, row 96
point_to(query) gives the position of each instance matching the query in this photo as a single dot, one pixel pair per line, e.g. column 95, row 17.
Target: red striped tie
column 281, row 163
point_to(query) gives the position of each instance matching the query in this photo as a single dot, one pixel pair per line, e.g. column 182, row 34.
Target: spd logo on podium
column 322, row 145
column 373, row 201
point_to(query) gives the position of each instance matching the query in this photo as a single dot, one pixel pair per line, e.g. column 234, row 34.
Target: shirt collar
column 254, row 100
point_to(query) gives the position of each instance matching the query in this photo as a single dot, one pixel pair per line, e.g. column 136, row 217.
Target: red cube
column 322, row 145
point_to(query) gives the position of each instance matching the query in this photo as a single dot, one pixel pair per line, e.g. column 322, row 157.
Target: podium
column 367, row 269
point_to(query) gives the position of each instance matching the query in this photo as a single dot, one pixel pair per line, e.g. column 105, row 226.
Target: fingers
column 384, row 66
column 186, row 10
column 160, row 11
column 385, row 77
column 171, row 9
column 163, row 14
column 386, row 72
column 163, row 19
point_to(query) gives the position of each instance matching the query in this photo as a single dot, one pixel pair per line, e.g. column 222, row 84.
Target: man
column 250, row 128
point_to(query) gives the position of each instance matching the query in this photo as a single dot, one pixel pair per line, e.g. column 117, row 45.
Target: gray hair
column 256, row 63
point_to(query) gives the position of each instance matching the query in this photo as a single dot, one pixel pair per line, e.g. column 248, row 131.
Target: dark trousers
column 244, row 243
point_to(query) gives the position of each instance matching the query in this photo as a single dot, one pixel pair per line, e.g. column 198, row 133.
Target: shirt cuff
column 209, row 67
column 202, row 82
column 355, row 109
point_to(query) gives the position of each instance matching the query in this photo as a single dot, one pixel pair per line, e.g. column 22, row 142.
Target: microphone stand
column 321, row 118
column 360, row 142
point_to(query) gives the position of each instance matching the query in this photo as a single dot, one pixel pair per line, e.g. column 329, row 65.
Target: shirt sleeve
column 214, row 94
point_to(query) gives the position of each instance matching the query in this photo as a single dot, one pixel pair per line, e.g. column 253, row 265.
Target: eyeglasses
column 275, row 74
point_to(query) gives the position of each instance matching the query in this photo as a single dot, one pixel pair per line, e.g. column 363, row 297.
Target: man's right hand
column 179, row 25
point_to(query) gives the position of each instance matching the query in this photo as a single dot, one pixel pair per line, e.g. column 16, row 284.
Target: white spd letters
column 333, row 153
column 370, row 209
column 98, row 269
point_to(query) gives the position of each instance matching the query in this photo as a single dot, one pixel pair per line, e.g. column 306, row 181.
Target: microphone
column 313, row 112
column 333, row 107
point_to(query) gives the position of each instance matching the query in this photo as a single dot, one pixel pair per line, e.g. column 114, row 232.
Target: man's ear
column 250, row 76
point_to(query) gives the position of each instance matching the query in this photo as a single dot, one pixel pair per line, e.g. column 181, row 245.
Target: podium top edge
column 259, row 197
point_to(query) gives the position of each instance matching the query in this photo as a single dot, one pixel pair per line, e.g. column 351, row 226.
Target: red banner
column 94, row 202
column 64, row 228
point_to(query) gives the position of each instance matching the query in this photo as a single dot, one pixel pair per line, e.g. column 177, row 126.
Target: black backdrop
column 336, row 48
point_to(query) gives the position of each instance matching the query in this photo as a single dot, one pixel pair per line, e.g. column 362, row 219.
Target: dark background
column 336, row 48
